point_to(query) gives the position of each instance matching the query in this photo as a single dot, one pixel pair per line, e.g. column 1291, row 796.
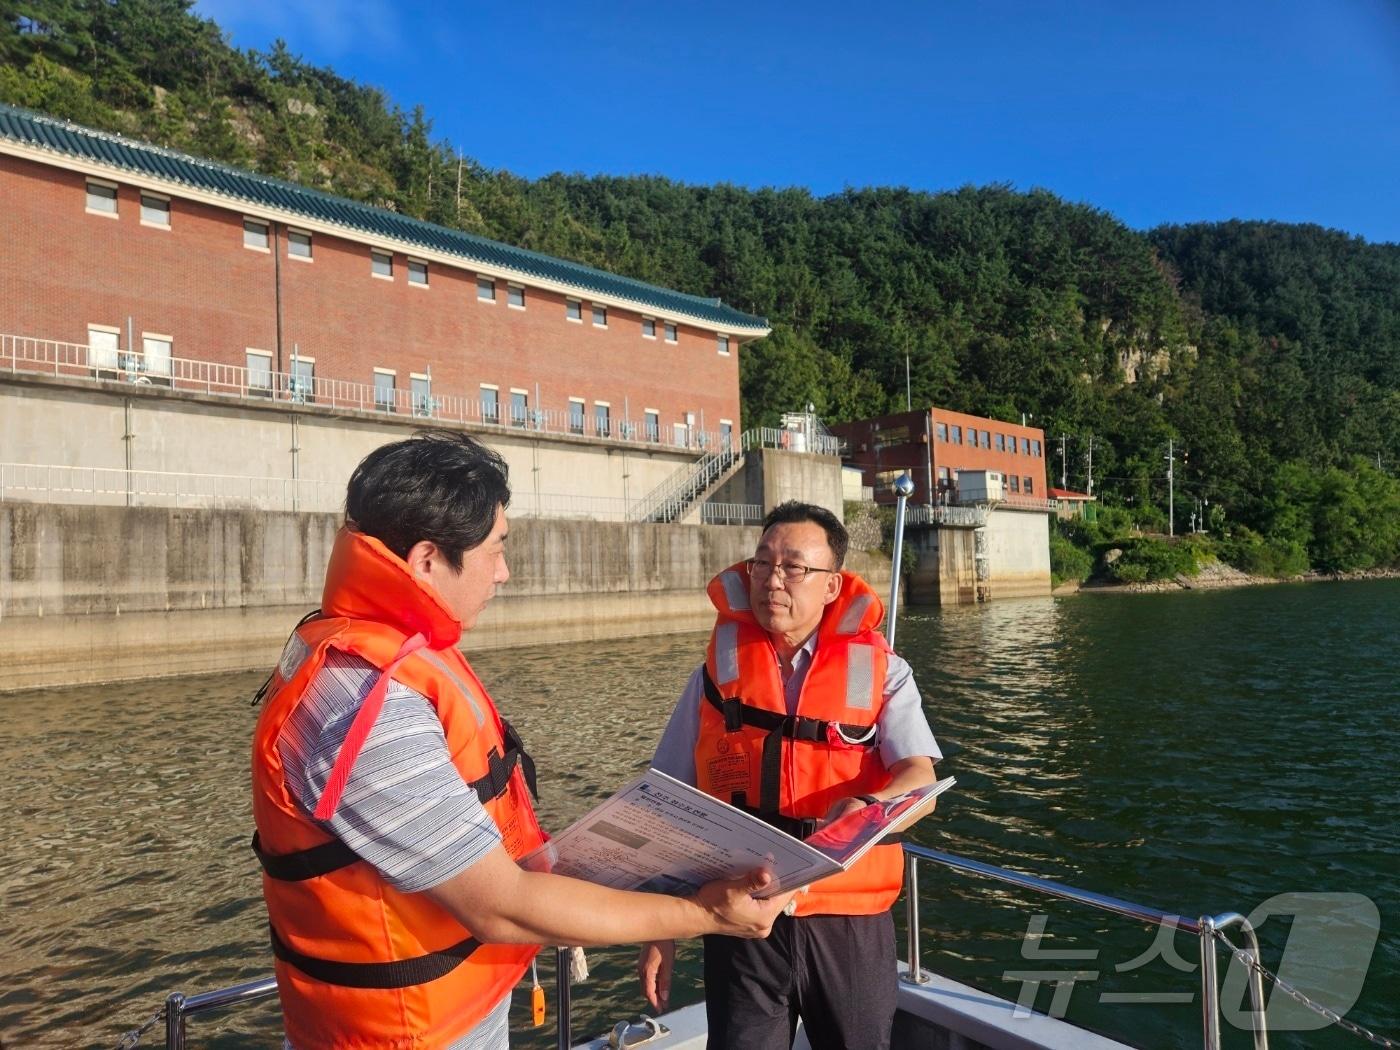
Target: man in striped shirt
column 437, row 503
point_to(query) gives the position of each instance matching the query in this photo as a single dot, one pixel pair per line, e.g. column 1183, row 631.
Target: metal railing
column 1205, row 928
column 670, row 500
column 947, row 514
column 178, row 1007
column 731, row 513
column 814, row 440
column 25, row 355
column 116, row 486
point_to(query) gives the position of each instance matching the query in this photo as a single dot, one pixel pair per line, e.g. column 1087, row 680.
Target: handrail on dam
column 299, row 386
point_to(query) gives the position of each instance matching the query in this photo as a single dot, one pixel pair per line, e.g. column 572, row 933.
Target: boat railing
column 1204, row 928
column 177, row 1007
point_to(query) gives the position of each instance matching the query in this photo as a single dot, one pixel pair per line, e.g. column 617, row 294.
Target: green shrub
column 1068, row 561
column 1147, row 558
column 1258, row 555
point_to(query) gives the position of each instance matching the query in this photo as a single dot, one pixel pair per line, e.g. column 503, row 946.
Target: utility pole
column 459, row 185
column 909, row 401
column 1091, row 465
column 1064, row 463
column 1171, row 488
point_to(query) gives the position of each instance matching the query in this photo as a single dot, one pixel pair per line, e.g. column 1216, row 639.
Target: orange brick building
column 934, row 446
column 150, row 264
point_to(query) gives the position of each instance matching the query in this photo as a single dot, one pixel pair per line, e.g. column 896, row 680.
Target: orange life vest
column 360, row 964
column 789, row 769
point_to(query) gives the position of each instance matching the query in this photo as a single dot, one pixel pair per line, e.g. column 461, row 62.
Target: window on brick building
column 573, row 309
column 1035, row 448
column 101, row 197
column 259, row 365
column 421, row 391
column 653, row 425
column 602, row 418
column 726, row 434
column 515, row 296
column 722, row 344
column 600, row 316
column 490, row 404
column 1001, row 442
column 155, row 357
column 104, row 345
column 670, row 330
column 155, row 210
column 957, row 434
column 1028, row 486
column 384, row 395
column 986, row 439
column 301, row 384
column 1015, row 482
column 486, row 289
column 576, row 414
column 381, row 264
column 298, row 244
column 648, row 328
column 255, row 235
column 418, row 272
column 519, row 408
column 1026, row 446
column 680, row 435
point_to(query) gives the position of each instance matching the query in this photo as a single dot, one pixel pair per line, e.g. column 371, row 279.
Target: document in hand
column 662, row 836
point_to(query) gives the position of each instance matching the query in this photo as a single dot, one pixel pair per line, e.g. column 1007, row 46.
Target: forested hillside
column 1269, row 353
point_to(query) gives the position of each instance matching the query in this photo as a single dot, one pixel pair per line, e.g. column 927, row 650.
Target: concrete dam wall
column 99, row 593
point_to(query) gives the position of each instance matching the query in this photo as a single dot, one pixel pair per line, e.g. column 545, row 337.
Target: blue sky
column 1156, row 112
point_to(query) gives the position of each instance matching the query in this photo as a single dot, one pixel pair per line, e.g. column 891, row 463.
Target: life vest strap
column 307, row 863
column 791, row 727
column 738, row 714
column 402, row 973
column 331, row 856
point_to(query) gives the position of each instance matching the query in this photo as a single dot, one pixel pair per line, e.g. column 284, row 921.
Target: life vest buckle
column 733, row 711
column 836, row 736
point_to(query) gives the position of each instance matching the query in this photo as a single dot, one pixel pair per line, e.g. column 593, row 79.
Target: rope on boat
column 1300, row 997
column 134, row 1036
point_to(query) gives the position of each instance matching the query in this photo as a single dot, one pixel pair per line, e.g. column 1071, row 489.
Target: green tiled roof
column 57, row 136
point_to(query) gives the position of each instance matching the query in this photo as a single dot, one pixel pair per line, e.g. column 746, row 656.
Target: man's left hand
column 840, row 808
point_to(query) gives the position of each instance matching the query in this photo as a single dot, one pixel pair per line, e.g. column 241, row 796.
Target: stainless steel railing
column 178, row 1007
column 1204, row 928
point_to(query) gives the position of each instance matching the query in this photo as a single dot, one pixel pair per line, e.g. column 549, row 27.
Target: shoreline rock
column 1217, row 576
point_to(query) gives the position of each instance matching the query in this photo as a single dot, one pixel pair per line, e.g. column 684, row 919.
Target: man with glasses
column 800, row 714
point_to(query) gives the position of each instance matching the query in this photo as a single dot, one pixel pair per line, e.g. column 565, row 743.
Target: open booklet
column 660, row 835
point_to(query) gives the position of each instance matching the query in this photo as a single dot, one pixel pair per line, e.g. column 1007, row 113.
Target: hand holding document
column 660, row 835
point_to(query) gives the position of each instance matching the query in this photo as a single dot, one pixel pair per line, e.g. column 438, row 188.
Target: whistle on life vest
column 536, row 996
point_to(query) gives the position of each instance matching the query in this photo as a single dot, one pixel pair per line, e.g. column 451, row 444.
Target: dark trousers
column 836, row 972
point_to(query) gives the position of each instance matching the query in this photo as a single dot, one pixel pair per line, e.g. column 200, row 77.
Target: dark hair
column 837, row 538
column 439, row 485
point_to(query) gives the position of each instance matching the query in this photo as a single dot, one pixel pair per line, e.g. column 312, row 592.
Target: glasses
column 788, row 571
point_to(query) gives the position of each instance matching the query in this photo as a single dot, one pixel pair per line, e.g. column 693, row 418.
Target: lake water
column 1196, row 752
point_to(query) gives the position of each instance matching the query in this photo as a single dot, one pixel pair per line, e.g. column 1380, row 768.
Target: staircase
column 670, row 501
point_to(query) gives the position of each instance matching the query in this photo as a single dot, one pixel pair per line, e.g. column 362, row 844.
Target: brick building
column 935, row 446
column 130, row 262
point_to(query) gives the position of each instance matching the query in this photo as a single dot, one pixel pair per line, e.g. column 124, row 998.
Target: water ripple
column 1196, row 752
